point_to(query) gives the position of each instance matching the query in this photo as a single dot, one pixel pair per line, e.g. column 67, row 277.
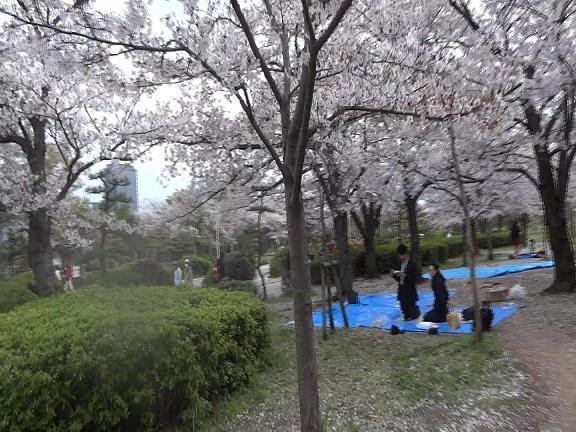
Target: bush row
column 131, row 359
column 17, row 291
column 434, row 250
column 143, row 272
column 200, row 265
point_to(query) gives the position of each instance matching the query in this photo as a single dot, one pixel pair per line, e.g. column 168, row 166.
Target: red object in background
column 332, row 248
column 68, row 272
column 216, row 274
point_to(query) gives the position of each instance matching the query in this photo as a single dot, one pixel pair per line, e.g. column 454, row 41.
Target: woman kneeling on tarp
column 440, row 311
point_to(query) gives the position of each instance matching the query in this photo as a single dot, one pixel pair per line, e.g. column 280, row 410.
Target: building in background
column 128, row 172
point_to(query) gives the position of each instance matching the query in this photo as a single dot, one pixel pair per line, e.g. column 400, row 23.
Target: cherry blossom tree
column 63, row 110
column 265, row 57
column 338, row 164
column 530, row 49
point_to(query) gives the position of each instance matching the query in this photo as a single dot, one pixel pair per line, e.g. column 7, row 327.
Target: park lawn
column 370, row 380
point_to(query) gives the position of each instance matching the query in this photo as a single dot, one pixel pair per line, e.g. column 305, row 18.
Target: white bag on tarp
column 517, row 292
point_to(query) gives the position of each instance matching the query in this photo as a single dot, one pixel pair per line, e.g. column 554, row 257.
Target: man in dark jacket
column 440, row 311
column 407, row 278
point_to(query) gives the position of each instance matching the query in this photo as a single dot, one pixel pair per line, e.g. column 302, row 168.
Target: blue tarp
column 381, row 311
column 528, row 256
column 491, row 272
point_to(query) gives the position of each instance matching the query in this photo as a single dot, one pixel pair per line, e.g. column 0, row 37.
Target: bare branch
column 256, row 51
column 465, row 13
column 333, row 24
column 308, row 22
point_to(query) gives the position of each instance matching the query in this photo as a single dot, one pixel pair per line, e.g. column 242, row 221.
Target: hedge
column 434, row 250
column 130, row 359
column 144, row 272
column 200, row 265
column 237, row 285
column 17, row 291
column 239, row 267
column 279, row 262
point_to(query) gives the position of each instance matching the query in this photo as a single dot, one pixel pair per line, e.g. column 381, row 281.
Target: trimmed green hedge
column 144, row 272
column 130, row 359
column 17, row 291
column 434, row 250
column 279, row 262
column 239, row 267
column 237, row 285
column 200, row 265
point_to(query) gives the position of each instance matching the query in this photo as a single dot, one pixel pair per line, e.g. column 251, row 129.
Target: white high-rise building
column 128, row 172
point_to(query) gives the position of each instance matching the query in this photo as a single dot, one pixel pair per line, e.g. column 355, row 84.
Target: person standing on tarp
column 407, row 277
column 515, row 237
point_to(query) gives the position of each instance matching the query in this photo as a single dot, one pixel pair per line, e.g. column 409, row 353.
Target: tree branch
column 308, row 22
column 254, row 47
column 333, row 24
column 391, row 111
column 465, row 13
column 524, row 172
column 15, row 139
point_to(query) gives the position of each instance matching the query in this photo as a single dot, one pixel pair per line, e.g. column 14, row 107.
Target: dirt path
column 542, row 338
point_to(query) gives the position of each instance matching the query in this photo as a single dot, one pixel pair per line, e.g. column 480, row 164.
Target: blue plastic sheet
column 527, row 256
column 381, row 311
column 491, row 272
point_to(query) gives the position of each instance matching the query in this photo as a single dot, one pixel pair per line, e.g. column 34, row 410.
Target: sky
column 153, row 185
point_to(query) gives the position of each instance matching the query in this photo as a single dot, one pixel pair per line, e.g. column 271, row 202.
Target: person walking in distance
column 188, row 275
column 68, row 282
column 178, row 276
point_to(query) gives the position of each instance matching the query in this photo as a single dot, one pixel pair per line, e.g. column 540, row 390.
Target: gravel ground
column 530, row 387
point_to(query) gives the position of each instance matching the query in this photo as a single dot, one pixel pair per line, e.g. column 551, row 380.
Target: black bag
column 487, row 317
column 468, row 314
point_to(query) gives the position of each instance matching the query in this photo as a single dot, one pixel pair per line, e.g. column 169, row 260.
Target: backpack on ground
column 487, row 316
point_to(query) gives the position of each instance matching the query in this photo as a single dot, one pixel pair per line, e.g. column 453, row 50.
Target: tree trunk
column 344, row 258
column 469, row 239
column 322, row 262
column 368, row 226
column 39, row 223
column 525, row 220
column 475, row 236
column 102, row 252
column 309, row 400
column 261, row 252
column 555, row 220
column 553, row 186
column 370, row 266
column 490, row 246
column 40, row 252
column 465, row 255
column 415, row 251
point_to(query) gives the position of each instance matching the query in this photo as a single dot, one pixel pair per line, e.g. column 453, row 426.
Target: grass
column 446, row 369
column 276, row 366
column 370, row 380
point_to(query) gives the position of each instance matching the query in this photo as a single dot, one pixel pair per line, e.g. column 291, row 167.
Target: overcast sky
column 152, row 184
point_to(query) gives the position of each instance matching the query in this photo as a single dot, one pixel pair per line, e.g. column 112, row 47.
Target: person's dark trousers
column 410, row 310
